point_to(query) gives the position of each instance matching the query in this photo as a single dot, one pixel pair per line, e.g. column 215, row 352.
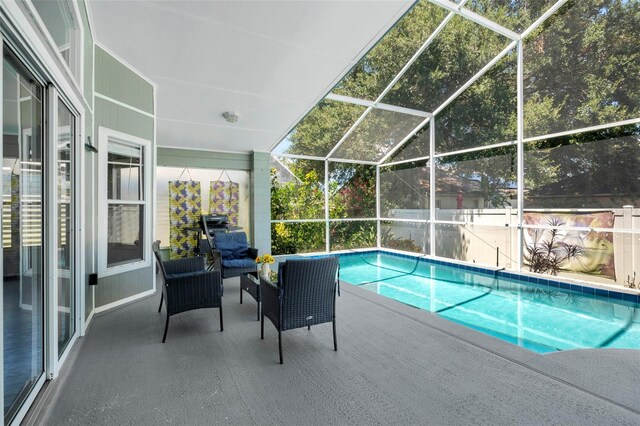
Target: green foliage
column 351, row 194
column 290, row 238
column 585, row 170
column 303, row 199
column 350, row 235
column 374, row 72
column 323, row 127
column 352, row 191
column 582, row 67
column 404, row 186
column 387, row 239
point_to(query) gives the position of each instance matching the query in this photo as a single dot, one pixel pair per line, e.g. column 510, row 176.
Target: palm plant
column 546, row 255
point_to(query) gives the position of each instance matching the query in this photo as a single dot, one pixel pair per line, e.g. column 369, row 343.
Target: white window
column 124, row 188
column 61, row 19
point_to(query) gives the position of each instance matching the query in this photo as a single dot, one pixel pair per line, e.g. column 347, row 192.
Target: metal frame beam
column 458, row 9
column 392, row 83
column 432, row 190
column 378, row 208
column 553, row 9
column 476, row 77
column 333, row 160
column 372, row 104
column 520, row 155
column 451, row 98
column 405, row 139
column 412, row 160
column 583, row 130
column 327, row 230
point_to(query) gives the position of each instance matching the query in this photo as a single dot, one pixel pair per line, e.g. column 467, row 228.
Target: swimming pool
column 540, row 317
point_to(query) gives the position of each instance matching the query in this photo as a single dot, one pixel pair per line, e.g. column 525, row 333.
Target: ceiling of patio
column 270, row 62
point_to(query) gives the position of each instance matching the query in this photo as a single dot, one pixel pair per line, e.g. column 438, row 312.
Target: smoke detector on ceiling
column 230, row 116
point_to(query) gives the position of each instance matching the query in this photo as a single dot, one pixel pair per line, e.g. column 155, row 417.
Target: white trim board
column 122, row 104
column 124, row 301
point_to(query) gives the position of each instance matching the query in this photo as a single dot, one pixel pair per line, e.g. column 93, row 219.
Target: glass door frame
column 27, row 47
column 19, row 414
column 54, row 358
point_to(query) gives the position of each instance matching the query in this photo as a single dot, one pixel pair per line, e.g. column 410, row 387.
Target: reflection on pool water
column 540, row 318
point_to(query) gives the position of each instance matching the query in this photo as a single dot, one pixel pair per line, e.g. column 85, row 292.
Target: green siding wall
column 172, row 157
column 117, row 287
column 88, row 200
column 118, row 82
column 89, row 161
column 88, row 54
column 122, row 119
column 261, row 201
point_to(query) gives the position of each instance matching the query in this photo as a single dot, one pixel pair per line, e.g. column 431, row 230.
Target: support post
column 520, row 155
column 627, row 245
column 261, row 201
column 432, row 187
column 327, row 231
column 378, row 234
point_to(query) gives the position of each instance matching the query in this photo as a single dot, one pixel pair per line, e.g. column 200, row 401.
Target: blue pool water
column 539, row 318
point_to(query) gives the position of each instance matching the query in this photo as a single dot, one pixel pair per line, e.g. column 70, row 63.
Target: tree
column 581, row 68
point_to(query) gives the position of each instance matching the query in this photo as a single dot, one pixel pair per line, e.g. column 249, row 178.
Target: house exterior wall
column 89, row 165
column 115, row 80
column 257, row 163
column 124, row 101
column 175, row 157
column 261, row 201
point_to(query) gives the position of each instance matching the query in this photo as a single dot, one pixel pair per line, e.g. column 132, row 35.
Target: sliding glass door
column 64, row 231
column 22, row 233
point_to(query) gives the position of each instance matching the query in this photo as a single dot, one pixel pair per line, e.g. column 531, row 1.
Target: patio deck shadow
column 395, row 365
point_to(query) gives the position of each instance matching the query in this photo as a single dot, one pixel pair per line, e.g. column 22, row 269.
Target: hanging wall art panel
column 224, row 198
column 185, row 208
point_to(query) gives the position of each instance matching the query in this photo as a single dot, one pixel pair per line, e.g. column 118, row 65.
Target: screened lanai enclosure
column 503, row 133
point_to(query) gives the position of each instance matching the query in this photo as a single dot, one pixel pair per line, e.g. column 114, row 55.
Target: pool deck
column 395, row 365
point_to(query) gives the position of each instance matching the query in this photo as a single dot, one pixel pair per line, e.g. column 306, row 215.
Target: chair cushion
column 238, row 263
column 232, row 245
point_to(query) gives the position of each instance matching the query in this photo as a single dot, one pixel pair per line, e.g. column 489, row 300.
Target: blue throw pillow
column 232, row 245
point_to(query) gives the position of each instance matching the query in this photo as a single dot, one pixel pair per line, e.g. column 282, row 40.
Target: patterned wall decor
column 595, row 249
column 185, row 208
column 224, row 198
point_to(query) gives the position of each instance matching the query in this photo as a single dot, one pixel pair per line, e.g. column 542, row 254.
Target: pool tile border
column 525, row 279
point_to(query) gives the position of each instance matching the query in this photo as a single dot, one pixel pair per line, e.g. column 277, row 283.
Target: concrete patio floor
column 394, row 365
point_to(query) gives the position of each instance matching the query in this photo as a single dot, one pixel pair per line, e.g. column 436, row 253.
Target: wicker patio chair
column 305, row 295
column 187, row 286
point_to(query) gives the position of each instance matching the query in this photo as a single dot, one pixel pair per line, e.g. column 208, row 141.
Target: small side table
column 250, row 282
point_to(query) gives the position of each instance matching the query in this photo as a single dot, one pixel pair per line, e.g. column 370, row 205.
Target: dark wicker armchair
column 188, row 286
column 304, row 296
